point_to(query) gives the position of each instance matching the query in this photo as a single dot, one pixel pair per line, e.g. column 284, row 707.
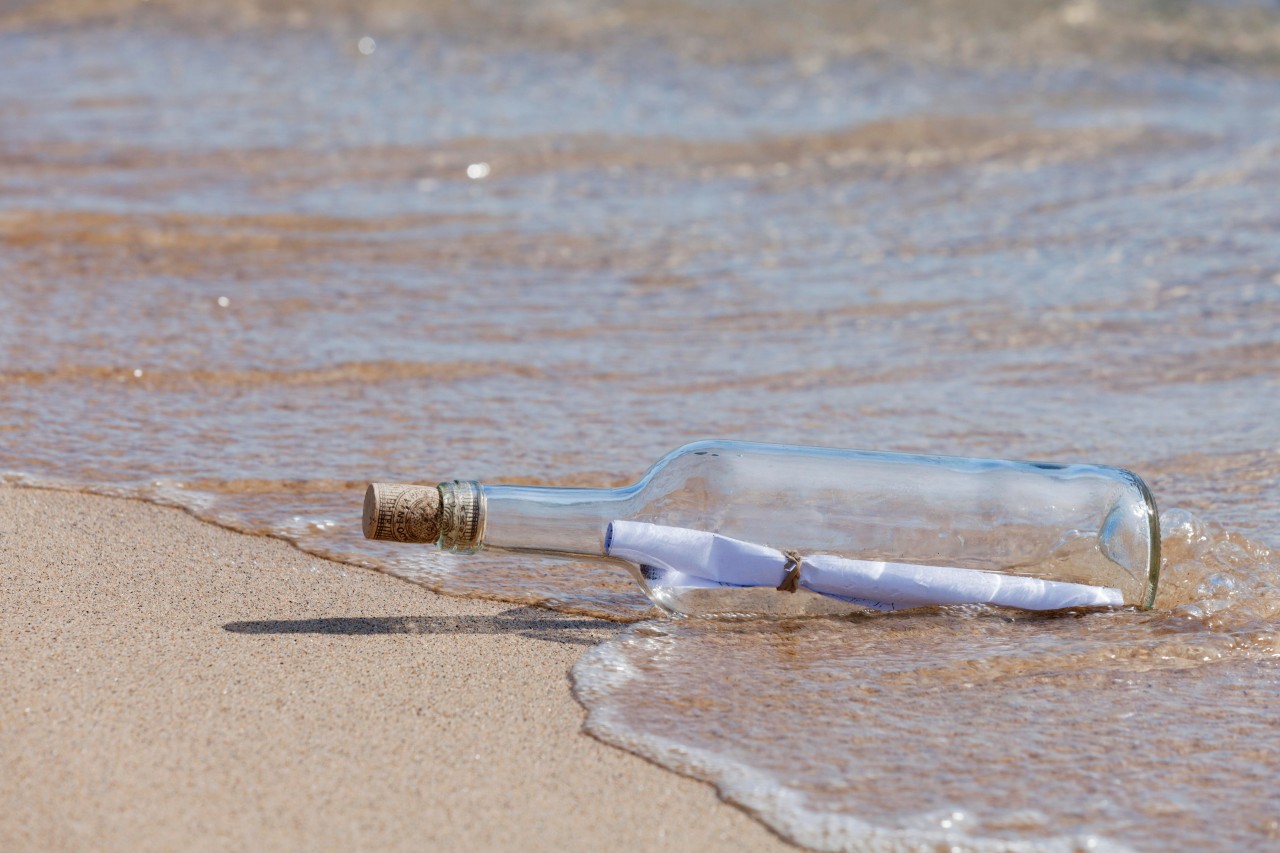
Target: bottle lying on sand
column 726, row 527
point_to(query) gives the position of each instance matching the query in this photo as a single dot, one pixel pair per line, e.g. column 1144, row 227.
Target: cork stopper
column 398, row 512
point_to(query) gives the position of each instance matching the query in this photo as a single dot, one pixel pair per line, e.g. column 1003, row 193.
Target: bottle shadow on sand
column 531, row 622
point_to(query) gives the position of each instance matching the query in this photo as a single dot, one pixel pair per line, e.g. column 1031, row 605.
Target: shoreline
column 176, row 684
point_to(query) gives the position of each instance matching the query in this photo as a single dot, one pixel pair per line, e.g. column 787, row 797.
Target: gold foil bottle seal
column 398, row 512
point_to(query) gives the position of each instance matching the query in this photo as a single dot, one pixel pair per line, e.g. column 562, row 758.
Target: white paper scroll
column 698, row 559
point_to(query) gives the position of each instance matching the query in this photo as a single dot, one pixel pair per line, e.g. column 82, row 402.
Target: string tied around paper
column 792, row 568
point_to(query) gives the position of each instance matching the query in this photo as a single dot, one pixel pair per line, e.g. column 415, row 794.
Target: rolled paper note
column 697, row 558
column 402, row 513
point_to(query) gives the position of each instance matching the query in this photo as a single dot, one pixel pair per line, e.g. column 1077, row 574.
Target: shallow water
column 243, row 269
column 965, row 728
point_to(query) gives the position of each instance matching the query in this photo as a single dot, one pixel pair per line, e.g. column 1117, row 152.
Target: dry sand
column 169, row 684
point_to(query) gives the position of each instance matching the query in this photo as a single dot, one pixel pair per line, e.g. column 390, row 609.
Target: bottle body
column 1079, row 524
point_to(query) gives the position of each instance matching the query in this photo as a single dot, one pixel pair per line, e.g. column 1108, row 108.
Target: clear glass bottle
column 1078, row 524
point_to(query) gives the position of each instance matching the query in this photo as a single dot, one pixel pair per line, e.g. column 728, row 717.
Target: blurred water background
column 254, row 256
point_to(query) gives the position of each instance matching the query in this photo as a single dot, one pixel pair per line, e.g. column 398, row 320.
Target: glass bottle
column 1065, row 524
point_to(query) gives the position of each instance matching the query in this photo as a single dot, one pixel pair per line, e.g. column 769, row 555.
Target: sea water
column 253, row 258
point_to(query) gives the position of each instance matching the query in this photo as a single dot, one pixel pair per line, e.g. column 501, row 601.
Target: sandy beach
column 257, row 255
column 169, row 684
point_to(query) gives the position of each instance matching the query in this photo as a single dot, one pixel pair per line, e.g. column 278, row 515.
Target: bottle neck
column 529, row 518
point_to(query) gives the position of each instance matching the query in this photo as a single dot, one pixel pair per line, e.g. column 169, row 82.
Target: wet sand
column 169, row 684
